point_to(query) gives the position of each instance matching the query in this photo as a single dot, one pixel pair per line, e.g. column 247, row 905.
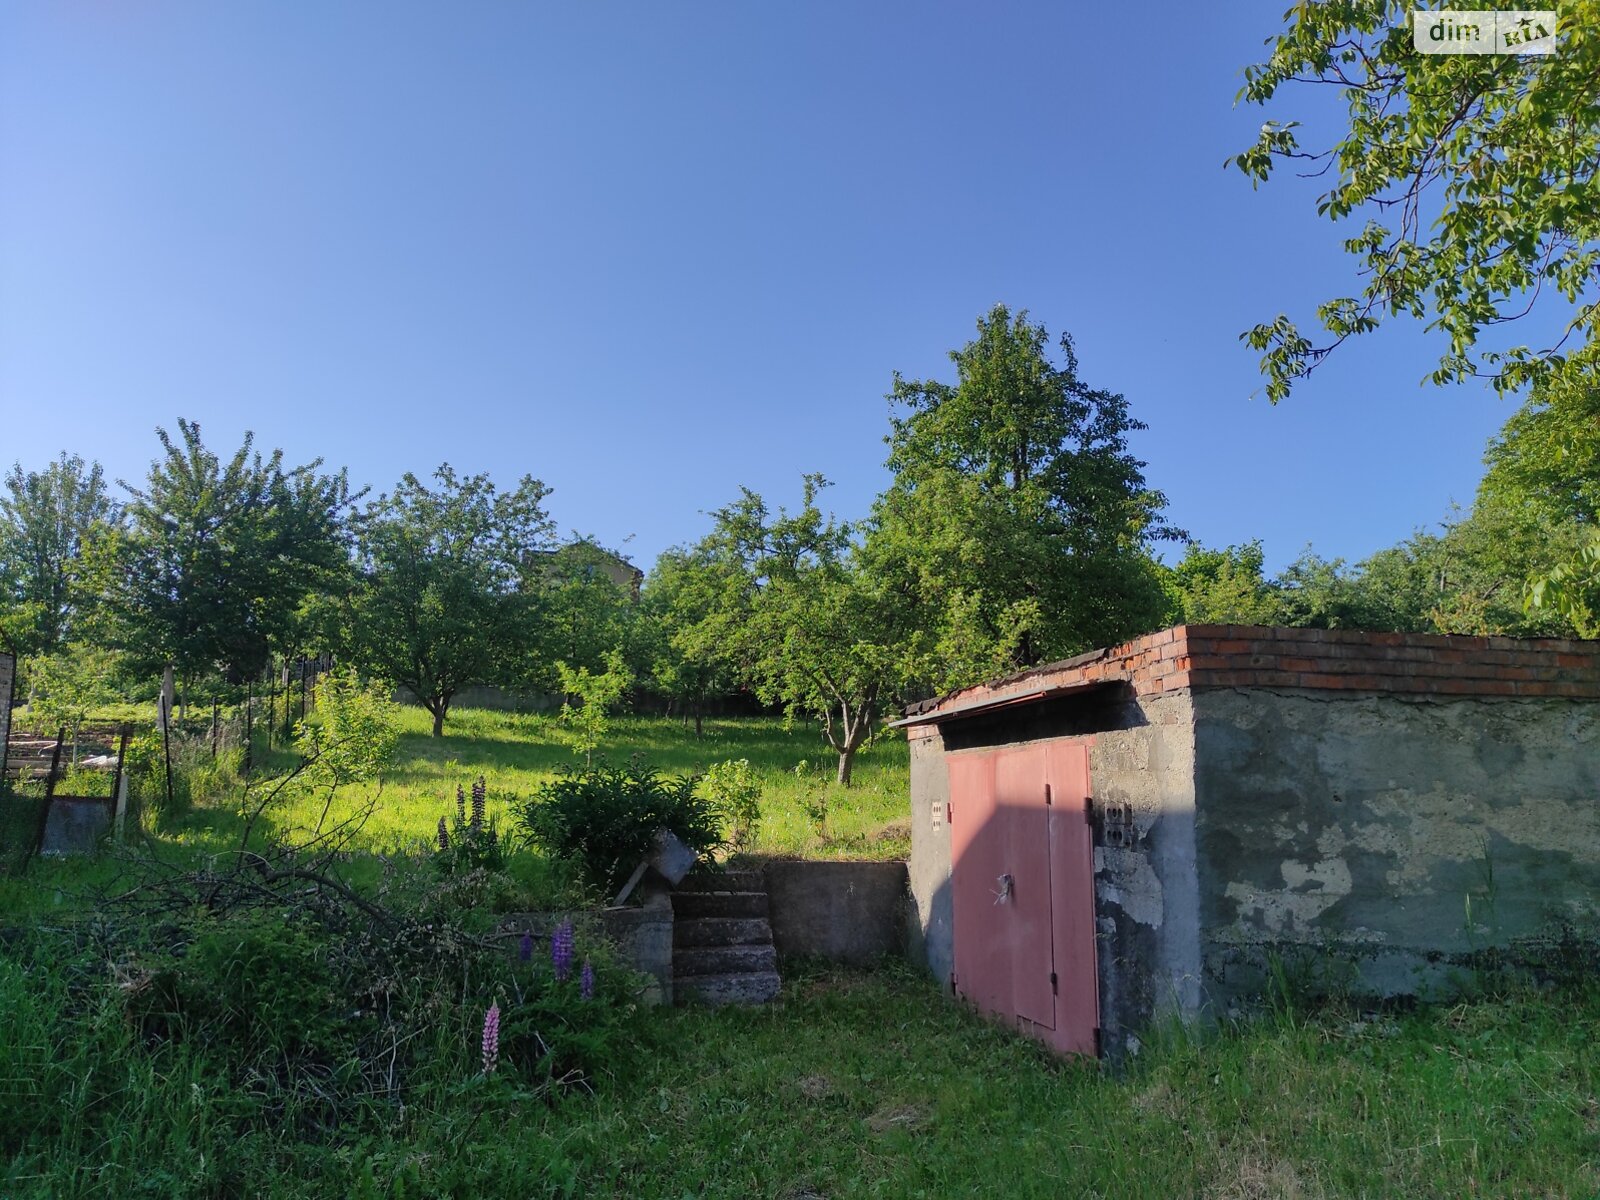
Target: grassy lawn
column 515, row 753
column 874, row 1085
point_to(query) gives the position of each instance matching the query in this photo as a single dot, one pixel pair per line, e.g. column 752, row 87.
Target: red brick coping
column 1253, row 656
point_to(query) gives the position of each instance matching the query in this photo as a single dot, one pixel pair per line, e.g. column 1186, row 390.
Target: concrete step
column 723, row 960
column 724, row 881
column 721, row 931
column 717, row 990
column 689, row 905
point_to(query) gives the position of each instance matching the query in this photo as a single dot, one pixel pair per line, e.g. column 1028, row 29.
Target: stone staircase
column 722, row 950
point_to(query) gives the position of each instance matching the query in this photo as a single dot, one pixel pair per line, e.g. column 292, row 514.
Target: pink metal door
column 1022, row 890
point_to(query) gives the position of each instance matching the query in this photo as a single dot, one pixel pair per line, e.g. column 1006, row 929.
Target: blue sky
column 650, row 252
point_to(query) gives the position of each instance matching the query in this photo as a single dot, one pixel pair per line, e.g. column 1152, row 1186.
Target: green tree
column 1474, row 176
column 1018, row 520
column 597, row 693
column 688, row 662
column 803, row 622
column 47, row 518
column 1224, row 587
column 448, row 593
column 218, row 557
column 587, row 613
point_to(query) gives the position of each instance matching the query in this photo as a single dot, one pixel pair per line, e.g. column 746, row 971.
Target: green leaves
column 1482, row 165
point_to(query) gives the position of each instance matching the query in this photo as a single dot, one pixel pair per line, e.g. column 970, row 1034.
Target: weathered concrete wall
column 847, row 912
column 1379, row 839
column 1141, row 778
column 928, row 924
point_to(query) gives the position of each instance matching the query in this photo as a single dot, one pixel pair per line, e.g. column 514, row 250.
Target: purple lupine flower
column 480, row 794
column 586, row 981
column 461, row 806
column 525, row 946
column 491, row 1039
column 444, row 837
column 561, row 950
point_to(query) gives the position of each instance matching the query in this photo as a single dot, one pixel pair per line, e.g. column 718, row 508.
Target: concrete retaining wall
column 845, row 912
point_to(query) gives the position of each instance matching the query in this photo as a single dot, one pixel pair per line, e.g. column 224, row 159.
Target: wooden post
column 166, row 746
column 119, row 798
column 49, row 793
column 216, row 712
column 249, row 705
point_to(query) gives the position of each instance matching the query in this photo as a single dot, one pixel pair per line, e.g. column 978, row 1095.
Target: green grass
column 865, row 1085
column 516, row 753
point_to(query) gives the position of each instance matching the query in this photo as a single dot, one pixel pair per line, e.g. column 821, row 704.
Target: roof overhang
column 988, row 704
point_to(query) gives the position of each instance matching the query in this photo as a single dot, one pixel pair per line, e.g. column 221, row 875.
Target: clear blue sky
column 649, row 252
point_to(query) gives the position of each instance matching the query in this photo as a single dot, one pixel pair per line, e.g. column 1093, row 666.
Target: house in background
column 586, row 558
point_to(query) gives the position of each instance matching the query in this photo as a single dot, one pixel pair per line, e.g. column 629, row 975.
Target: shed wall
column 1377, row 841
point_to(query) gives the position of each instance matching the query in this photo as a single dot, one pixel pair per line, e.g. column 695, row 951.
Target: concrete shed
column 1138, row 832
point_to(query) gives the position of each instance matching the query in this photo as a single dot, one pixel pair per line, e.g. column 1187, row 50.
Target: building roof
column 1193, row 657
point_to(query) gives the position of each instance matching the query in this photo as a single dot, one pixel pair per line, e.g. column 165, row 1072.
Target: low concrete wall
column 846, row 912
column 642, row 937
column 1379, row 841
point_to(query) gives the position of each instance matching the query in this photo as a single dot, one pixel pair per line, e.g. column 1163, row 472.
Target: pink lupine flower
column 491, row 1039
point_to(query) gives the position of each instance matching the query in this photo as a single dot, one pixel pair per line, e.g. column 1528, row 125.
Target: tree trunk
column 847, row 758
column 699, row 727
column 438, row 712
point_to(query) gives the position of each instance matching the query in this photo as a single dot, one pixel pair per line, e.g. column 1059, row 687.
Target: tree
column 66, row 687
column 218, row 557
column 587, row 612
column 46, row 520
column 448, row 594
column 598, row 693
column 1225, row 587
column 1018, row 521
column 803, row 622
column 688, row 662
column 1476, row 178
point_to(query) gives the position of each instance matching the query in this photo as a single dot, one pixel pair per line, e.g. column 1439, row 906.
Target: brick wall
column 1199, row 657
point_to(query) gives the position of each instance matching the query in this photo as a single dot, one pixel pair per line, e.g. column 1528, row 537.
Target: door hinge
column 1054, row 990
column 1047, row 799
column 1088, row 810
column 1099, row 1050
column 949, row 812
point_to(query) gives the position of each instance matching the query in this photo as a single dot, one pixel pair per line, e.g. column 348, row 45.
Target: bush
column 605, row 818
column 734, row 793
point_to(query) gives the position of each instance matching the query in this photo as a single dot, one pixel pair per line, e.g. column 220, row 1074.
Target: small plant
column 590, row 721
column 605, row 818
column 473, row 843
column 734, row 792
column 815, row 805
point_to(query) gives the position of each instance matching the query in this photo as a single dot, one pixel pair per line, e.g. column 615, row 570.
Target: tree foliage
column 1473, row 175
column 802, row 622
column 218, row 557
column 1018, row 519
column 47, row 518
column 447, row 596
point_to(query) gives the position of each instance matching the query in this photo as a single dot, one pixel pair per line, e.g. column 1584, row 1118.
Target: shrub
column 734, row 793
column 605, row 818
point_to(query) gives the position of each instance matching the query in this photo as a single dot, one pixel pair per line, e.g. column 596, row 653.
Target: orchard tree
column 803, row 622
column 219, row 556
column 1017, row 517
column 448, row 591
column 1224, row 587
column 47, row 519
column 688, row 660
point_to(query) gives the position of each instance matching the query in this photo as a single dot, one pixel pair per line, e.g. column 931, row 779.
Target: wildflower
column 479, row 795
column 461, row 806
column 586, row 981
column 491, row 1039
column 561, row 950
column 525, row 946
column 444, row 837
